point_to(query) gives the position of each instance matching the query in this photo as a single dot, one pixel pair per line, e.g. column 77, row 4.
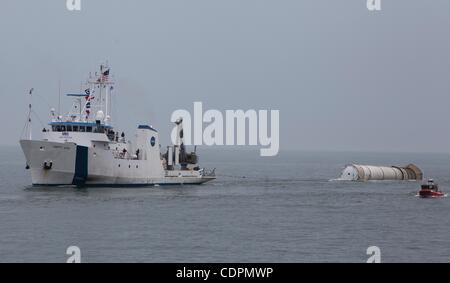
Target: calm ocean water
column 284, row 210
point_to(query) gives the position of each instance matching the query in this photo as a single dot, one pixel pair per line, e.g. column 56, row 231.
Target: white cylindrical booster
column 355, row 172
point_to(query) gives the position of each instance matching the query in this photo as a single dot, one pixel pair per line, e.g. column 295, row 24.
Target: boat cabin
column 85, row 127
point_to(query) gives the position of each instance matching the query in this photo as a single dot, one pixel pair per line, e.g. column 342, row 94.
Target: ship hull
column 61, row 164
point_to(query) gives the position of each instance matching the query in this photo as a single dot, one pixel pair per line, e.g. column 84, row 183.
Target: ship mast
column 29, row 125
column 102, row 81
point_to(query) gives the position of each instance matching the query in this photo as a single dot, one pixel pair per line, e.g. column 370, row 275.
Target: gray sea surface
column 260, row 209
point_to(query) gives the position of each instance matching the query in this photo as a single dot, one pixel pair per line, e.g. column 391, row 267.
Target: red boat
column 430, row 190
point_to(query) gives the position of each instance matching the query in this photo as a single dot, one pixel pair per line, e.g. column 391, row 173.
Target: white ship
column 83, row 149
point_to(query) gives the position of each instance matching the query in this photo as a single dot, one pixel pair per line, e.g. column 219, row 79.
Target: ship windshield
column 83, row 129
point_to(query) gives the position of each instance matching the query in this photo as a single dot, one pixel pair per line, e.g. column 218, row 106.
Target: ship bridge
column 84, row 127
column 88, row 127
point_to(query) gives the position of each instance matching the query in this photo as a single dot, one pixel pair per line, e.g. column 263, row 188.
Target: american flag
column 105, row 75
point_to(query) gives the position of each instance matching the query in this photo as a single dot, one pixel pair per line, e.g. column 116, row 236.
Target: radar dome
column 100, row 116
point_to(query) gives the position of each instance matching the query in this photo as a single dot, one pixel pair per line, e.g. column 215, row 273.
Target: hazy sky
column 342, row 77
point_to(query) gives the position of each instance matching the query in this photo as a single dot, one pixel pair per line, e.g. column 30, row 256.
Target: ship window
column 69, row 128
column 75, row 128
column 58, row 128
column 89, row 129
column 54, row 128
column 63, row 128
column 82, row 128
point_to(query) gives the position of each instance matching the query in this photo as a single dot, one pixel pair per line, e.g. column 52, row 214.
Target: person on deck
column 137, row 154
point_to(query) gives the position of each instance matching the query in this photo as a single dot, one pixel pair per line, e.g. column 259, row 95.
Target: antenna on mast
column 29, row 114
column 59, row 97
column 100, row 81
